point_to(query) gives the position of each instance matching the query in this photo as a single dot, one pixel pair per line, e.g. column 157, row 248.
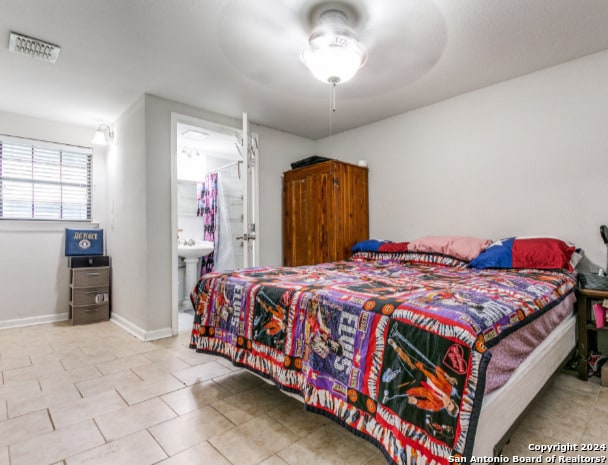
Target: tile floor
column 94, row 394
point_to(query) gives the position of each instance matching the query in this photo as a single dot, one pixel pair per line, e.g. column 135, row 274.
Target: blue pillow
column 370, row 245
column 497, row 255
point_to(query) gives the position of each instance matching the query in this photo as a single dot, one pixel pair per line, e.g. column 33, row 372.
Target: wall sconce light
column 103, row 136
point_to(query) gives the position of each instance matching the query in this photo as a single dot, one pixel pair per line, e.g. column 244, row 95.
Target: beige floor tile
column 4, row 455
column 240, row 381
column 180, row 341
column 556, row 429
column 31, row 371
column 87, row 359
column 293, row 415
column 124, row 363
column 118, row 380
column 161, row 367
column 202, row 372
column 601, row 403
column 327, row 446
column 45, row 356
column 24, row 427
column 573, row 383
column 18, row 389
column 377, row 458
column 139, row 448
column 519, row 444
column 149, row 388
column 596, row 432
column 53, row 397
column 86, row 408
column 244, row 406
column 274, row 460
column 195, row 455
column 3, row 412
column 11, row 361
column 192, row 357
column 194, row 397
column 71, row 376
column 258, row 439
column 167, row 359
column 128, row 420
column 133, row 347
column 189, row 430
column 228, row 364
column 568, row 401
column 56, row 445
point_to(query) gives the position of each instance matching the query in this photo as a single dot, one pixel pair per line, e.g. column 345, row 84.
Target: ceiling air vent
column 35, row 48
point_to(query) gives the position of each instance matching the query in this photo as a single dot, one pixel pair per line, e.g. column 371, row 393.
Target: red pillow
column 542, row 253
column 393, row 247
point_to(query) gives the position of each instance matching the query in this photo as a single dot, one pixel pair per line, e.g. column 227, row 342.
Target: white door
column 249, row 149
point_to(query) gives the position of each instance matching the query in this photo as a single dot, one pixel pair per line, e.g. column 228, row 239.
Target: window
column 44, row 180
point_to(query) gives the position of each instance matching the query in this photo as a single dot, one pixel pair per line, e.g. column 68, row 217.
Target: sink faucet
column 191, row 242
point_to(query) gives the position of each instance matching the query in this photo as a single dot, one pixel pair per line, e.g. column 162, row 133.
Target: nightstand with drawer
column 89, row 289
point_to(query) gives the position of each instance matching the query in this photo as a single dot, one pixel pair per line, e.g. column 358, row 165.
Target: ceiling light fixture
column 334, row 53
column 103, row 136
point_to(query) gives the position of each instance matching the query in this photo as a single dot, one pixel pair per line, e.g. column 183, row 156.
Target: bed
column 397, row 347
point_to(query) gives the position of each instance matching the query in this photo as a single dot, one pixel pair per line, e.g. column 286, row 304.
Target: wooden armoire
column 325, row 212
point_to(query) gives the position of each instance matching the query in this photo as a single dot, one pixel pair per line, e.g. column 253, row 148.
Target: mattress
column 513, row 350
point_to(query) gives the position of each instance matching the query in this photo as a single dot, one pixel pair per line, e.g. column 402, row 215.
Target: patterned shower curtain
column 207, row 208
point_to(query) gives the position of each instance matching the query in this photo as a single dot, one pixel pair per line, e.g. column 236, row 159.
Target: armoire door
column 308, row 221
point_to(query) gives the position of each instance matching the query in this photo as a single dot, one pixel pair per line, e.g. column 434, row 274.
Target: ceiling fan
column 393, row 43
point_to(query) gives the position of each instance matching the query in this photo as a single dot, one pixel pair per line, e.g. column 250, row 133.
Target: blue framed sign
column 83, row 242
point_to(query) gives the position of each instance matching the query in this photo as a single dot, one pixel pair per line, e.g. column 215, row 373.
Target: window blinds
column 44, row 180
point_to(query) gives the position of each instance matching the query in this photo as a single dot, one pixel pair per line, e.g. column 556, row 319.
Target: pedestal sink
column 191, row 254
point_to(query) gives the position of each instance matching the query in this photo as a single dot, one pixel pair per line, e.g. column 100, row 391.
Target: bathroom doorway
column 208, row 154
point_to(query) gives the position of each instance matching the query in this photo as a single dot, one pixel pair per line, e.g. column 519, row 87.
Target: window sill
column 43, row 225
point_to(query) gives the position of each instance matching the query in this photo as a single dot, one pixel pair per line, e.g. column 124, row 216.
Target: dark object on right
column 308, row 161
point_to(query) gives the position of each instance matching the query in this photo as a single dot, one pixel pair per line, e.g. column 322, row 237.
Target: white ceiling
column 230, row 56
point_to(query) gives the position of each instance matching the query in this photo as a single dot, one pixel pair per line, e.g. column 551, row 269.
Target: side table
column 587, row 330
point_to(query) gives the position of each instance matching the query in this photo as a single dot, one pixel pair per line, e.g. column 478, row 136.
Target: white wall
column 526, row 156
column 127, row 228
column 277, row 151
column 139, row 206
column 34, row 276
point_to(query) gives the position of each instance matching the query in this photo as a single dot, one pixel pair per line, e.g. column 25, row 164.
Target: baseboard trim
column 138, row 332
column 35, row 320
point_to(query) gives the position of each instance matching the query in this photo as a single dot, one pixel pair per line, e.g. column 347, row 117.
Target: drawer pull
column 92, row 274
column 91, row 310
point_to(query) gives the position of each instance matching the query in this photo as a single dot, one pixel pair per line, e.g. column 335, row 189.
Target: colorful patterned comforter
column 392, row 346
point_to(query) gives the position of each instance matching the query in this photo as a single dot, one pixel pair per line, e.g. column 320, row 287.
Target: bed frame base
column 503, row 409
